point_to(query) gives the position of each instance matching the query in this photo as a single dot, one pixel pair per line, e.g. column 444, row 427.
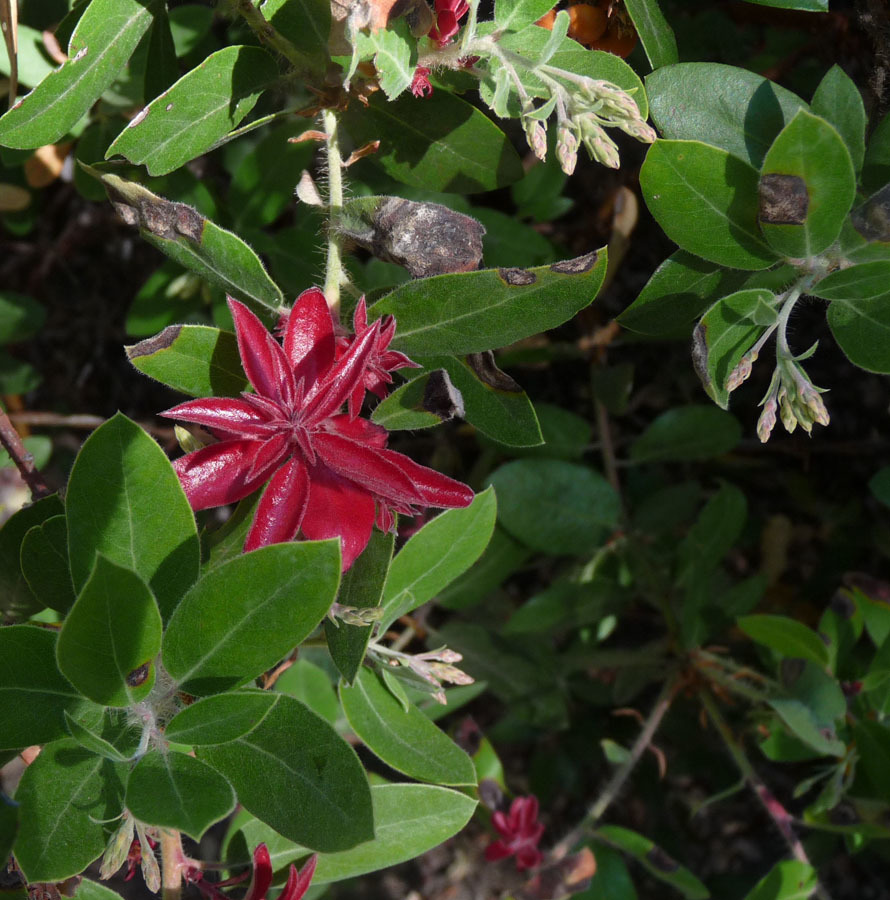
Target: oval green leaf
column 687, row 433
column 125, row 502
column 102, row 42
column 442, row 144
column 274, row 598
column 807, row 187
column 172, row 790
column 555, row 506
column 656, row 36
column 33, row 694
column 44, row 561
column 295, row 761
column 196, row 359
column 725, row 106
column 437, row 554
column 216, row 720
column 790, row 638
column 111, row 636
column 203, row 106
column 838, row 101
column 405, row 739
column 474, row 311
column 705, row 199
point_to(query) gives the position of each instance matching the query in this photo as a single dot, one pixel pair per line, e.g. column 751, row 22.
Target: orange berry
column 546, row 21
column 586, row 23
column 617, row 41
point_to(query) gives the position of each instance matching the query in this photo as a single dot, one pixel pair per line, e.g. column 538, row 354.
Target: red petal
column 338, row 508
column 390, row 475
column 528, row 858
column 262, row 874
column 360, row 430
column 223, row 414
column 309, row 339
column 218, row 474
column 329, row 394
column 281, row 507
column 298, row 883
column 263, row 359
column 497, row 850
column 360, row 316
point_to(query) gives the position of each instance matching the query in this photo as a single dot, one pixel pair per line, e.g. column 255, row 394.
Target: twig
column 774, row 809
column 616, row 782
column 173, row 861
column 24, row 461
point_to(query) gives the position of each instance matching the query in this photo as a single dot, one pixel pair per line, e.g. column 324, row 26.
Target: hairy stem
column 172, row 861
column 334, row 275
column 617, row 781
column 11, row 441
column 774, row 809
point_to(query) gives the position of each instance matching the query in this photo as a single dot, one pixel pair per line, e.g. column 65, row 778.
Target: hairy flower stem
column 172, row 863
column 774, row 809
column 616, row 782
column 11, row 442
column 334, row 268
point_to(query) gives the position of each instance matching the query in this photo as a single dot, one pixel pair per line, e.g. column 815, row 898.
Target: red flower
column 448, row 14
column 519, row 832
column 329, row 474
column 420, row 84
column 297, row 882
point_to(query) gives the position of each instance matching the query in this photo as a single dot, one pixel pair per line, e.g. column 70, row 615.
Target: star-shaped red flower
column 519, row 831
column 329, row 473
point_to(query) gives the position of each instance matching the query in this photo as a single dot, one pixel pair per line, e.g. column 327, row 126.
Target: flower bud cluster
column 794, row 399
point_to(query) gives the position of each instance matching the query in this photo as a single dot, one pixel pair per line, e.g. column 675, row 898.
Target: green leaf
column 807, row 187
column 873, row 747
column 876, row 167
column 555, row 506
column 654, row 860
column 565, row 435
column 611, row 881
column 790, row 638
column 65, row 795
column 33, row 694
column 306, row 24
column 33, row 63
column 44, row 562
column 310, row 684
column 805, row 5
column 711, row 537
column 679, row 291
column 93, row 742
column 687, row 433
column 196, row 243
column 16, row 599
column 172, row 790
column 514, row 15
column 108, row 644
column 787, row 880
column 161, row 67
column 293, row 760
column 474, row 311
column 405, row 739
column 442, row 144
column 726, row 332
column 196, row 359
column 125, row 502
column 409, row 819
column 725, row 106
column 838, row 101
column 102, row 42
column 21, row 317
column 203, row 106
column 859, row 315
column 92, row 890
column 361, row 586
column 879, row 485
column 275, row 597
column 219, row 719
column 655, row 34
column 394, row 51
column 437, row 554
column 803, row 723
column 705, row 199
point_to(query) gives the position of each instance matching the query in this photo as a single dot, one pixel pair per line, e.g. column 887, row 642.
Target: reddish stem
column 24, row 461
